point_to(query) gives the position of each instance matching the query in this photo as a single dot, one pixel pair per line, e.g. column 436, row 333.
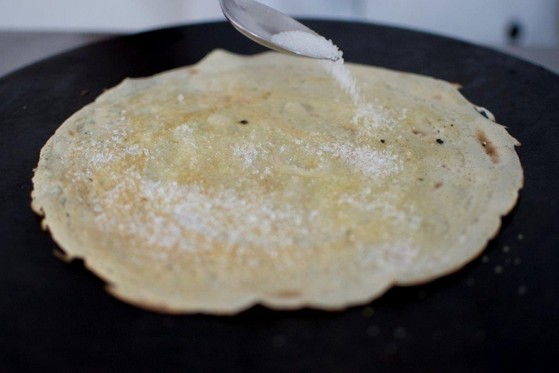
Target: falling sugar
column 341, row 74
column 317, row 46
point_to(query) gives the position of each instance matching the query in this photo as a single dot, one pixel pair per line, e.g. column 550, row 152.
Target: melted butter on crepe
column 245, row 180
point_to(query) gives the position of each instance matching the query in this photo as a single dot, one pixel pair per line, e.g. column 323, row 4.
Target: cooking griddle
column 499, row 312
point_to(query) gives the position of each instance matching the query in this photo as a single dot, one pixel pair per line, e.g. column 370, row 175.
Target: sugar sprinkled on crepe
column 254, row 180
column 315, row 45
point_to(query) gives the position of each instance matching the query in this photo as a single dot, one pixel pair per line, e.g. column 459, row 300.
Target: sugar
column 308, row 44
column 248, row 152
column 341, row 74
column 371, row 162
column 188, row 208
column 317, row 46
column 314, row 45
column 371, row 117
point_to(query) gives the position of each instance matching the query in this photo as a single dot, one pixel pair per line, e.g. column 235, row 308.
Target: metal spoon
column 259, row 22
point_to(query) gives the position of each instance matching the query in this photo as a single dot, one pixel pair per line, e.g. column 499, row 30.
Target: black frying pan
column 58, row 316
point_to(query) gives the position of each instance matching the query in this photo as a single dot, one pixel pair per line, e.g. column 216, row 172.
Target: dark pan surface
column 58, row 316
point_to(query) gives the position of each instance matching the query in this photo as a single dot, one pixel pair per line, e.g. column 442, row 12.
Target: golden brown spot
column 417, row 132
column 438, row 185
column 266, row 95
column 287, row 294
column 488, row 146
column 349, row 236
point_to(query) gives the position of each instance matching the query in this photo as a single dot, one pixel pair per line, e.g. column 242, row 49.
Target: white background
column 484, row 21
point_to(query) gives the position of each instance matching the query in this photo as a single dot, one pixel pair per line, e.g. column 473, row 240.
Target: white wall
column 89, row 15
column 485, row 21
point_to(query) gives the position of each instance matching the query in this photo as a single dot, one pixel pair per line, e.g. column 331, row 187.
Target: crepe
column 255, row 180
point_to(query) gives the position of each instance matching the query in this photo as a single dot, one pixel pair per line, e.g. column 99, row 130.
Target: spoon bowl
column 260, row 23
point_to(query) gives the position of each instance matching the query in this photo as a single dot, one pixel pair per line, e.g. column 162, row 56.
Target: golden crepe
column 255, row 180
